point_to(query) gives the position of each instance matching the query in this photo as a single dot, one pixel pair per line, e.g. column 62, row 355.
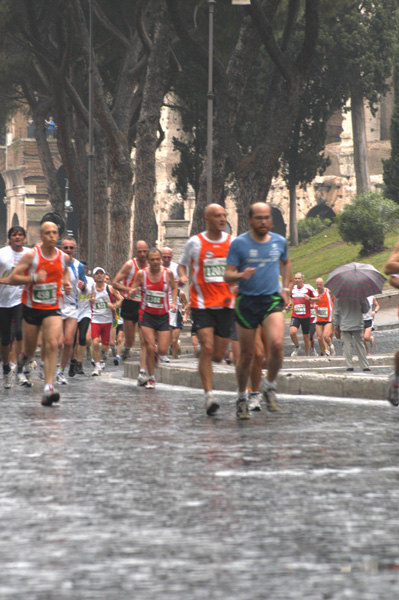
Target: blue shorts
column 251, row 311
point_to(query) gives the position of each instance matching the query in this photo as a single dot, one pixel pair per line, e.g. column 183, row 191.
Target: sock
column 48, row 387
column 270, row 385
column 242, row 395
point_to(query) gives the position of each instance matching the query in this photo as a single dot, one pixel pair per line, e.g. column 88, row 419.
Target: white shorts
column 69, row 312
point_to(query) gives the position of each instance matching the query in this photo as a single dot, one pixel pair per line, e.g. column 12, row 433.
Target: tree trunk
column 293, row 215
column 145, row 224
column 359, row 142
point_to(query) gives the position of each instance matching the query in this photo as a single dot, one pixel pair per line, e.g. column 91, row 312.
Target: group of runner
column 239, row 285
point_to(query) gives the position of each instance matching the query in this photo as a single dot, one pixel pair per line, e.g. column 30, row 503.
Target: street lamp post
column 211, row 97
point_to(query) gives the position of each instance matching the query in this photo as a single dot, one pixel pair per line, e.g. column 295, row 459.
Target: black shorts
column 130, row 310
column 233, row 332
column 323, row 322
column 219, row 319
column 83, row 326
column 251, row 311
column 368, row 324
column 157, row 322
column 119, row 328
column 35, row 316
column 10, row 324
column 303, row 322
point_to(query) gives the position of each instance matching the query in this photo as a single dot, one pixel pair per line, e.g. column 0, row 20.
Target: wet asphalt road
column 122, row 493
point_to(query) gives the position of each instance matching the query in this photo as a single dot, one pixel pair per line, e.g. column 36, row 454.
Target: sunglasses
column 68, row 247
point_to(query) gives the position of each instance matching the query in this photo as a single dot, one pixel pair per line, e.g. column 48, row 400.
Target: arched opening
column 70, row 213
column 278, row 222
column 15, row 220
column 3, row 213
column 324, row 212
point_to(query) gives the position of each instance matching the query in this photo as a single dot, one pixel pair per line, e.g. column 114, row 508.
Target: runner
column 10, row 302
column 84, row 321
column 254, row 262
column 123, row 282
column 368, row 323
column 324, row 326
column 43, row 270
column 175, row 318
column 301, row 294
column 103, row 304
column 69, row 310
column 211, row 298
column 155, row 282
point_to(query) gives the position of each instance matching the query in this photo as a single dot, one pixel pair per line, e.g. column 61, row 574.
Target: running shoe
column 125, row 353
column 393, row 390
column 332, row 349
column 327, row 353
column 72, row 367
column 150, row 384
column 49, row 396
column 313, row 352
column 295, row 352
column 26, row 372
column 7, row 380
column 117, row 360
column 79, row 368
column 254, row 401
column 269, row 396
column 211, row 406
column 164, row 359
column 242, row 409
column 60, row 378
column 142, row 378
column 96, row 372
column 21, row 380
column 102, row 364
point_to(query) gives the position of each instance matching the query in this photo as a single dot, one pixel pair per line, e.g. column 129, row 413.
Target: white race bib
column 322, row 311
column 300, row 309
column 45, row 293
column 214, row 269
column 154, row 299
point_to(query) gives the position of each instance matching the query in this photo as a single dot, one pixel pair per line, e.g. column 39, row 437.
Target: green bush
column 309, row 227
column 366, row 220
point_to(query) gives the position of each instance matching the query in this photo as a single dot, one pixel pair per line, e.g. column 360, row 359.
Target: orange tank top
column 208, row 288
column 46, row 295
column 128, row 280
column 324, row 307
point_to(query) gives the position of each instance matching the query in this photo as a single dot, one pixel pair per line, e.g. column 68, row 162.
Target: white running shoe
column 269, row 396
column 7, row 380
column 142, row 378
column 242, row 409
column 60, row 378
column 254, row 401
column 313, row 352
column 295, row 351
column 22, row 380
column 332, row 350
column 150, row 384
column 163, row 358
column 211, row 406
column 96, row 372
column 49, row 396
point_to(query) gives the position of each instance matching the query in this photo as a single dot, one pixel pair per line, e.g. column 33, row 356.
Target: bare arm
column 66, row 281
column 285, row 270
column 137, row 284
column 173, row 288
column 232, row 274
column 392, row 265
column 182, row 273
column 120, row 276
column 18, row 277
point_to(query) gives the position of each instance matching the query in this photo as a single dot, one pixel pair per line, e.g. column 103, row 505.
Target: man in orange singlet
column 123, row 282
column 324, row 326
column 155, row 282
column 44, row 271
column 211, row 298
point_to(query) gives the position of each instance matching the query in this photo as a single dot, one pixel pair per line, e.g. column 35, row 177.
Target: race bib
column 154, row 299
column 45, row 293
column 214, row 269
column 300, row 309
column 101, row 305
column 322, row 311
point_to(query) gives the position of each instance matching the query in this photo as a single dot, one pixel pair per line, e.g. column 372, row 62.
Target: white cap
column 97, row 269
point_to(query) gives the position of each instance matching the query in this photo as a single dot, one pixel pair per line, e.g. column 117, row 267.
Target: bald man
column 211, row 298
column 123, row 282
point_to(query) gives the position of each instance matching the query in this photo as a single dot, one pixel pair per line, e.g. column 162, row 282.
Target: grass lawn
column 319, row 255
